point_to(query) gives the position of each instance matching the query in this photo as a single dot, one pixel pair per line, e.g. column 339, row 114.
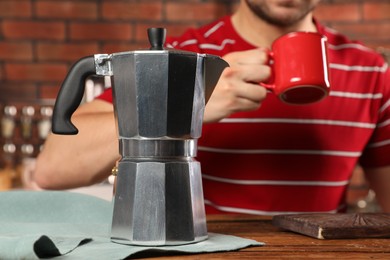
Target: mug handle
column 270, row 83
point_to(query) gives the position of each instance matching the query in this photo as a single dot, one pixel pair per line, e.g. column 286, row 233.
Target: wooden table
column 282, row 244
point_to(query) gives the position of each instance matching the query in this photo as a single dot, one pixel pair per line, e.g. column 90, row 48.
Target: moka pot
column 159, row 96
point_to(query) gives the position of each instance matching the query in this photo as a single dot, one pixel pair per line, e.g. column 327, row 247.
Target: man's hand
column 238, row 88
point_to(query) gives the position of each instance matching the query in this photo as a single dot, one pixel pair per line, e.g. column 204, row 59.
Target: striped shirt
column 289, row 159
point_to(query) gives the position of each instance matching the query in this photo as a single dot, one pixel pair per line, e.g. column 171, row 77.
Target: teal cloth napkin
column 67, row 225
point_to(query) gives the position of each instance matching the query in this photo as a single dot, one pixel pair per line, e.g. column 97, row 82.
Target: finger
column 244, row 104
column 256, row 56
column 250, row 73
column 252, row 92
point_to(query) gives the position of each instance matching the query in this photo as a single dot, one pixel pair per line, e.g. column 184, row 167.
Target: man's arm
column 88, row 157
column 379, row 181
column 69, row 161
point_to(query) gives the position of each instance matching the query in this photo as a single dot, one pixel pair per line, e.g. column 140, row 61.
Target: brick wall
column 40, row 39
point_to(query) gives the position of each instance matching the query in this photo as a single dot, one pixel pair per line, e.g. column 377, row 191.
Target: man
column 258, row 155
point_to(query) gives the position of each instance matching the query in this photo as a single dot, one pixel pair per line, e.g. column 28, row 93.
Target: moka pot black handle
column 70, row 96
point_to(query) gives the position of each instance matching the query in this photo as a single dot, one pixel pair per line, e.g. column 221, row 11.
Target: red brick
column 35, row 72
column 65, row 51
column 189, row 12
column 34, row 30
column 1, row 73
column 101, row 31
column 119, row 47
column 132, row 11
column 66, row 9
column 379, row 46
column 16, row 51
column 376, row 11
column 17, row 91
column 179, row 29
column 14, row 9
column 172, row 30
column 48, row 91
column 366, row 31
column 338, row 12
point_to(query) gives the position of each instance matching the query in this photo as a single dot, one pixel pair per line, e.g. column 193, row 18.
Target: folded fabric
column 67, row 225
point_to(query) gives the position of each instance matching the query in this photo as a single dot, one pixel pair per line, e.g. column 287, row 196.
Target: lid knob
column 157, row 38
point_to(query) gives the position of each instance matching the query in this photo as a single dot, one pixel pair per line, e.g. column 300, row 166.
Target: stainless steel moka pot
column 159, row 99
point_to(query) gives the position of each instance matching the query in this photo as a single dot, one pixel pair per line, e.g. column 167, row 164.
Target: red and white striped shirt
column 288, row 159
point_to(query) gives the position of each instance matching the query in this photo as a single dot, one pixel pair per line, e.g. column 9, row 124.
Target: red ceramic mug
column 299, row 65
